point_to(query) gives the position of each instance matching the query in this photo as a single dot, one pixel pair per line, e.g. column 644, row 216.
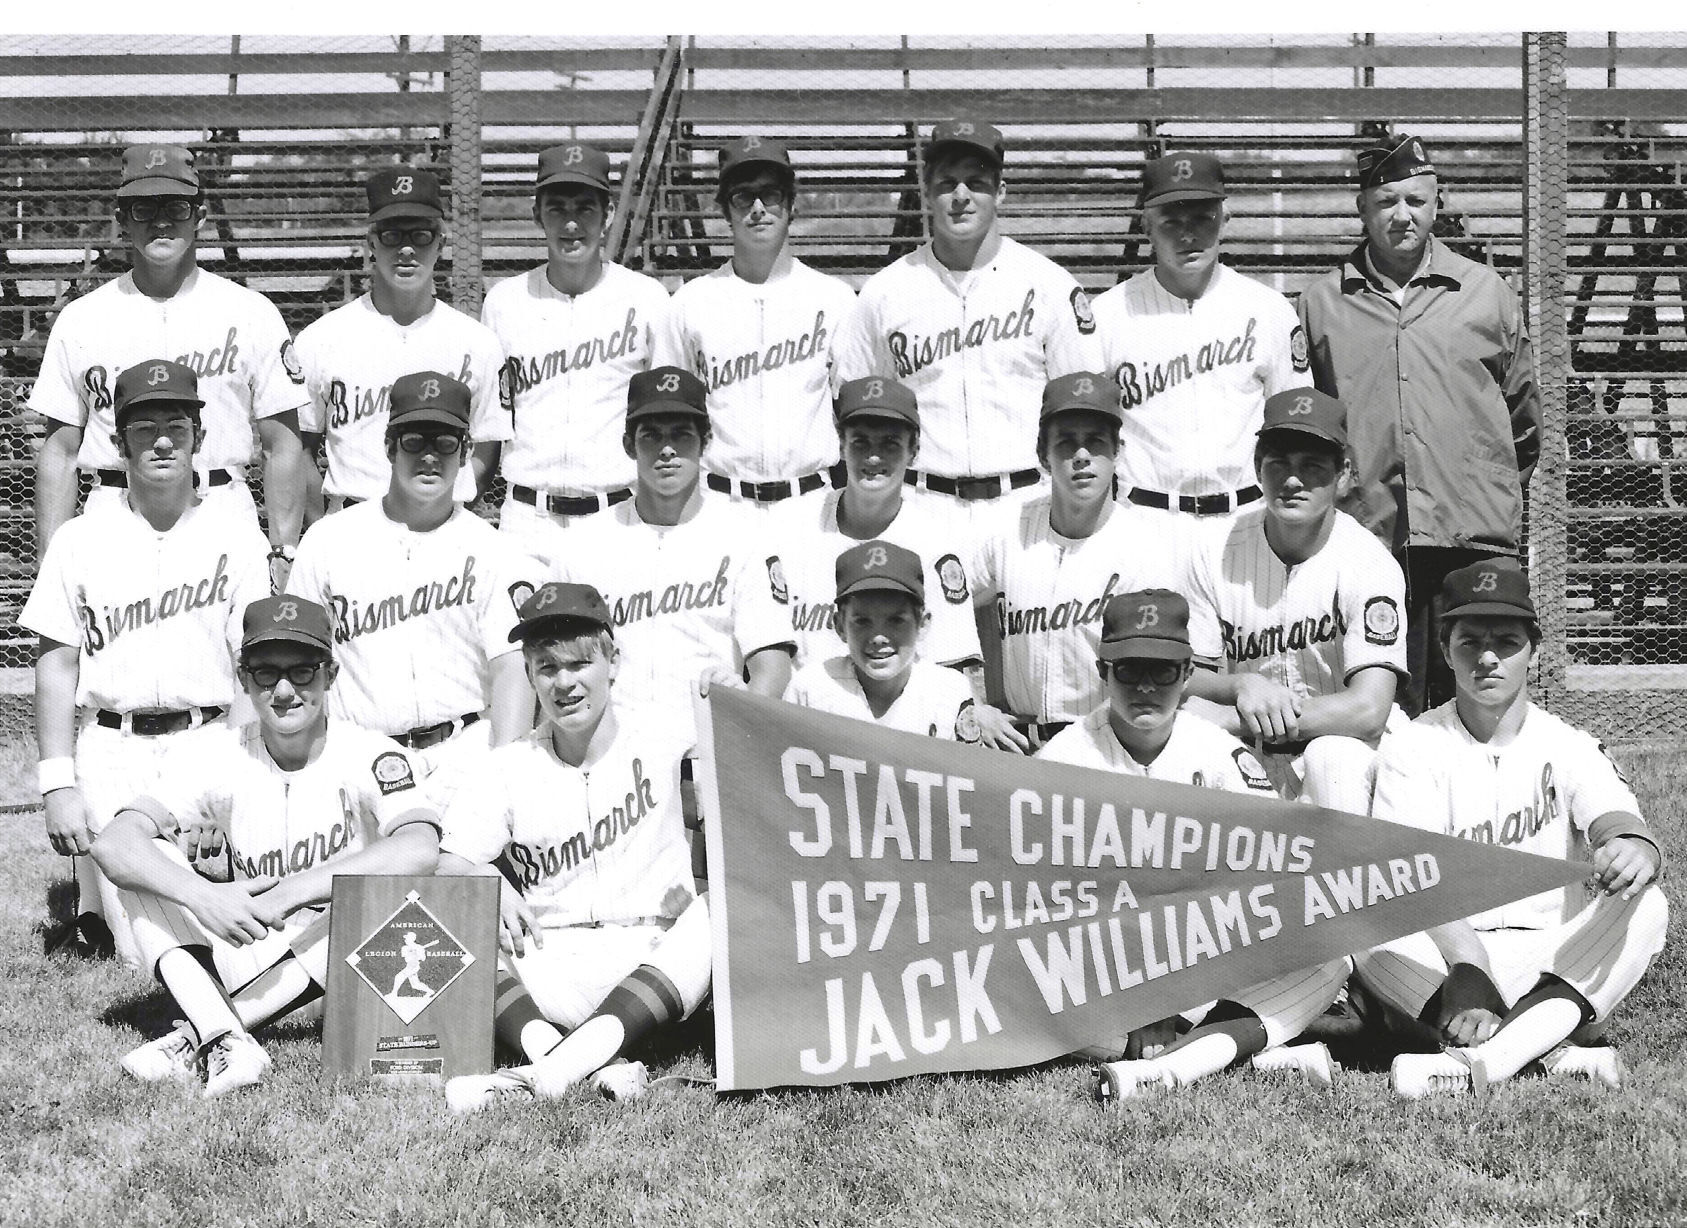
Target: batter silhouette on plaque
column 414, row 954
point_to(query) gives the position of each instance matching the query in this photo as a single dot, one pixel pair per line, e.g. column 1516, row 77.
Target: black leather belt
column 154, row 724
column 117, row 477
column 1199, row 505
column 433, row 735
column 992, row 487
column 767, row 492
column 569, row 505
column 1039, row 731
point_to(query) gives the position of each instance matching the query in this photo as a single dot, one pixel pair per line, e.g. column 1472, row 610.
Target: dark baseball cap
column 877, row 397
column 402, row 191
column 1150, row 622
column 749, row 151
column 1400, row 158
column 1493, row 586
column 1306, row 411
column 287, row 619
column 966, row 136
column 424, row 397
column 574, row 162
column 1089, row 390
column 559, row 601
column 157, row 379
column 158, row 170
column 1182, row 176
column 882, row 566
column 666, row 390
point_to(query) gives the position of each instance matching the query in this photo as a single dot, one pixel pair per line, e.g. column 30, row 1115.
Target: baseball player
column 975, row 323
column 233, row 339
column 693, row 580
column 285, row 803
column 352, row 355
column 1050, row 566
column 603, row 935
column 881, row 617
column 1144, row 661
column 137, row 605
column 1538, row 978
column 422, row 591
column 574, row 330
column 1196, row 348
column 1295, row 615
column 878, row 428
column 759, row 331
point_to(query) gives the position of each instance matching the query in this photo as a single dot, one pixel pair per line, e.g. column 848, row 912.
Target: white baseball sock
column 198, row 994
column 1527, row 1036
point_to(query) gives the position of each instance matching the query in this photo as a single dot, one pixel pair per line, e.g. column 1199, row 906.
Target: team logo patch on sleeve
column 1253, row 771
column 776, row 580
column 1082, row 312
column 520, row 591
column 1297, row 349
column 952, row 578
column 392, row 772
column 1614, row 765
column 507, row 376
column 290, row 362
column 1382, row 621
column 967, row 728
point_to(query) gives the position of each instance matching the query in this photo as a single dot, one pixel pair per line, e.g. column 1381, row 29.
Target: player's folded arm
column 1359, row 710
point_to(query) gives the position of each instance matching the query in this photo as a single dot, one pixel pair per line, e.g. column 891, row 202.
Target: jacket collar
column 1442, row 266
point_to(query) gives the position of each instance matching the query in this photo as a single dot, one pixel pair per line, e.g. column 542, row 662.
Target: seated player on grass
column 1145, row 666
column 1538, row 978
column 882, row 620
column 603, row 938
column 270, row 811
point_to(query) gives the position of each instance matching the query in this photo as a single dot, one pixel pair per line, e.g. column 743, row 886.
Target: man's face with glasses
column 1144, row 693
column 425, row 460
column 758, row 209
column 287, row 684
column 158, row 440
column 159, row 229
column 403, row 252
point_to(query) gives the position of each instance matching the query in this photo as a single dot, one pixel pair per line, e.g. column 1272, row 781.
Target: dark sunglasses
column 406, row 236
column 445, row 443
column 267, row 676
column 1132, row 671
column 147, row 210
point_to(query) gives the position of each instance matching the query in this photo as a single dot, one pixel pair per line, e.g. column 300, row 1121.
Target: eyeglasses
column 774, row 199
column 1133, row 671
column 267, row 676
column 148, row 431
column 446, row 443
column 147, row 210
column 406, row 236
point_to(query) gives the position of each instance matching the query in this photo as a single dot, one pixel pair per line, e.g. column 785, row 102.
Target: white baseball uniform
column 977, row 348
column 232, row 337
column 1195, row 377
column 709, row 592
column 765, row 353
column 936, row 702
column 274, row 822
column 1551, row 791
column 157, row 617
column 1201, row 753
column 1049, row 592
column 599, row 854
column 812, row 541
column 352, row 355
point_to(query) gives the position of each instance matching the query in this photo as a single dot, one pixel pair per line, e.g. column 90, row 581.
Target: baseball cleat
column 1122, row 1080
column 622, row 1080
column 173, row 1057
column 1311, row 1061
column 1456, row 1072
column 471, row 1093
column 1600, row 1063
column 232, row 1061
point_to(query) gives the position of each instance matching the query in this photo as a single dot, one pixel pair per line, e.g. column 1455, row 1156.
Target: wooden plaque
column 410, row 967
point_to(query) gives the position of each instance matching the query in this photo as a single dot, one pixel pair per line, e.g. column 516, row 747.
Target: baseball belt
column 992, row 486
column 116, row 477
column 569, row 505
column 1199, row 505
column 767, row 492
column 432, row 735
column 1039, row 732
column 155, row 724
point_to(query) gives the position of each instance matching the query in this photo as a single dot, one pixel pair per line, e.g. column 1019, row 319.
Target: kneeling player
column 1526, row 980
column 296, row 798
column 1145, row 664
column 882, row 619
column 603, row 936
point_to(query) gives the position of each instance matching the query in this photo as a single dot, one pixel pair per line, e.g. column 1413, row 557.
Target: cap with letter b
column 1496, row 586
column 158, row 170
column 1088, row 390
column 747, row 151
column 575, row 162
column 966, row 136
column 1182, row 176
column 557, row 602
column 666, row 390
column 287, row 619
column 882, row 566
column 1306, row 411
column 877, row 396
column 1150, row 622
column 403, row 191
column 157, row 379
column 424, row 397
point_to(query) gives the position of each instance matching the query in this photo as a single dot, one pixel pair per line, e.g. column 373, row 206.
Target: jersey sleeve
column 52, row 609
column 1234, row 767
column 1593, row 785
column 1206, row 640
column 54, row 394
column 276, row 376
column 514, row 575
column 1372, row 598
column 1408, row 782
column 313, row 414
column 670, row 342
column 306, row 579
column 476, row 823
column 959, row 710
column 490, row 420
column 858, row 350
column 189, row 784
column 1288, row 364
column 984, row 571
column 393, row 783
column 1071, row 342
column 761, row 602
column 248, row 582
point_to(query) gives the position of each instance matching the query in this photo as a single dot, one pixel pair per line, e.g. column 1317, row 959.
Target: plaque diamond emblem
column 409, row 959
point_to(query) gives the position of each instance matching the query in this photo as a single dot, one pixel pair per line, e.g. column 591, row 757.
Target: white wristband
column 57, row 773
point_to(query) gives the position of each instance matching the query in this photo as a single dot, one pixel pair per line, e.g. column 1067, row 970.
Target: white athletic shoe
column 471, row 1093
column 1311, row 1061
column 622, row 1080
column 232, row 1061
column 173, row 1057
column 1598, row 1063
column 1122, row 1080
column 1456, row 1072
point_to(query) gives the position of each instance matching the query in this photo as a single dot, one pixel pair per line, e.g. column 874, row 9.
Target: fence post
column 462, row 100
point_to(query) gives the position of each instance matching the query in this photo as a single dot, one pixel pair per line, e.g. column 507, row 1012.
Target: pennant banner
column 887, row 905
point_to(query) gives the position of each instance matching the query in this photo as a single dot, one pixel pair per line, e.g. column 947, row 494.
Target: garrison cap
column 1403, row 157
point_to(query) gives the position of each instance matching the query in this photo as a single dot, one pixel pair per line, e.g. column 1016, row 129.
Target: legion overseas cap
column 158, row 170
column 1493, row 586
column 968, row 136
column 573, row 163
column 1403, row 158
column 400, row 191
column 666, row 390
column 158, row 379
column 291, row 620
column 1151, row 622
column 877, row 397
column 558, row 601
column 1308, row 412
column 883, row 566
column 747, row 151
column 427, row 396
column 1182, row 176
column 1082, row 390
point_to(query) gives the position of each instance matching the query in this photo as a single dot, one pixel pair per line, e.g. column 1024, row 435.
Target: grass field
column 82, row 1145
